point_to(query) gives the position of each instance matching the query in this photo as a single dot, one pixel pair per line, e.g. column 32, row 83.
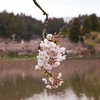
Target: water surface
column 24, row 83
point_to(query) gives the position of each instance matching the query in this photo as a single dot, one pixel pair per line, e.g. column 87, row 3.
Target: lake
column 20, row 81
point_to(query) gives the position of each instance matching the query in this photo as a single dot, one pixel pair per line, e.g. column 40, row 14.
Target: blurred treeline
column 26, row 27
column 83, row 26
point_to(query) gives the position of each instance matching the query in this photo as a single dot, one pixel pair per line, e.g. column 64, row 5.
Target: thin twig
column 48, row 73
column 46, row 20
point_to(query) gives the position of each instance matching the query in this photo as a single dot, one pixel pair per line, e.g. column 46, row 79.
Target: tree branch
column 39, row 7
column 46, row 20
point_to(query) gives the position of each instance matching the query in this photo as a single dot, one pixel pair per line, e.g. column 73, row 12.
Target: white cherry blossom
column 47, row 66
column 62, row 50
column 59, row 57
column 51, row 80
column 59, row 75
column 48, row 86
column 45, row 80
column 56, row 64
column 49, row 36
column 60, row 83
column 37, row 67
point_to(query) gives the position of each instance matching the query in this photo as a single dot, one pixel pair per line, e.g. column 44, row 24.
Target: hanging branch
column 44, row 28
column 52, row 81
column 46, row 20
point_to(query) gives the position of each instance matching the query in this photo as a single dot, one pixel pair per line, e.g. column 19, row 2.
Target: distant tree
column 54, row 25
column 86, row 26
column 81, row 18
column 64, row 30
column 38, row 28
column 98, row 38
column 74, row 31
column 2, row 26
column 91, row 46
column 91, row 41
column 95, row 22
column 14, row 26
column 3, row 22
column 29, row 29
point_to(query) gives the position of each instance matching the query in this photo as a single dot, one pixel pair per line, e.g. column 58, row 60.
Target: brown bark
column 46, row 20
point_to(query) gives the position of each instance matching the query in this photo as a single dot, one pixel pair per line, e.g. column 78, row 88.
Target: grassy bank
column 83, row 56
column 33, row 56
column 17, row 57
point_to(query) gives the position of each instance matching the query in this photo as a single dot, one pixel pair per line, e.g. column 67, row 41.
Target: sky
column 55, row 8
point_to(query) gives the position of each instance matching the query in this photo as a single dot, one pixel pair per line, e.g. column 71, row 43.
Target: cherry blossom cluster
column 53, row 82
column 49, row 56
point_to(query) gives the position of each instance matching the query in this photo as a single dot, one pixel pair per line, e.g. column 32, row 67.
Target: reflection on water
column 24, row 83
column 68, row 95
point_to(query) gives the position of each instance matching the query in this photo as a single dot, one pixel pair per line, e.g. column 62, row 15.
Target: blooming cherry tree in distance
column 50, row 55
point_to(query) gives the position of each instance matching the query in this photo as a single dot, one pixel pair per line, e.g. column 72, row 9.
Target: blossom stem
column 48, row 72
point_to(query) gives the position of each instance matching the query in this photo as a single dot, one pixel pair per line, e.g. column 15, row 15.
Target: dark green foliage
column 95, row 23
column 54, row 25
column 74, row 31
column 25, row 27
column 9, row 24
column 3, row 22
column 87, row 25
column 80, row 18
column 64, row 30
